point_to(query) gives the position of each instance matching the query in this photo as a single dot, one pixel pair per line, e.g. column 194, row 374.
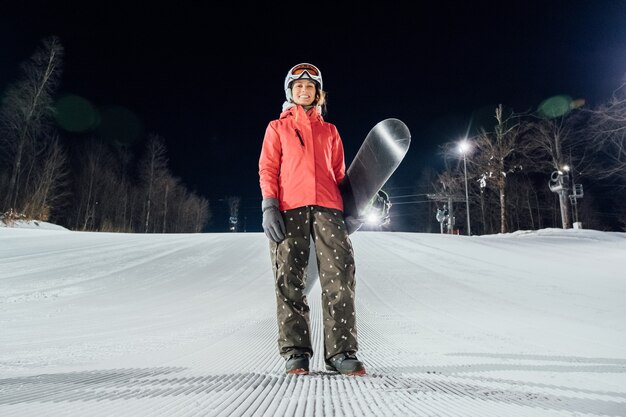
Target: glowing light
column 373, row 219
column 464, row 146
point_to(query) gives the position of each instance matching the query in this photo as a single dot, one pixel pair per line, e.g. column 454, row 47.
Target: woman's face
column 303, row 92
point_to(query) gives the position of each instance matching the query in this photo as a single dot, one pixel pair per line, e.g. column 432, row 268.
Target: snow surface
column 31, row 224
column 520, row 324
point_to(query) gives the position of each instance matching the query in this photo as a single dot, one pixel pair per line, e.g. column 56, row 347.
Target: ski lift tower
column 446, row 216
column 577, row 192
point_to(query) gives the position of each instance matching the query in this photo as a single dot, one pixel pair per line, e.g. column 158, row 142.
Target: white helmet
column 304, row 70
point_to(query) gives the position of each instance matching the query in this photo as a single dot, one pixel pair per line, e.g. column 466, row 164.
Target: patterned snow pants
column 335, row 260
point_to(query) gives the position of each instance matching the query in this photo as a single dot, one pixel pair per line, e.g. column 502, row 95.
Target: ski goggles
column 305, row 71
column 308, row 68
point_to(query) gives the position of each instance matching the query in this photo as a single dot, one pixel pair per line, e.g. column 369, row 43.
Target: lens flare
column 75, row 114
column 555, row 106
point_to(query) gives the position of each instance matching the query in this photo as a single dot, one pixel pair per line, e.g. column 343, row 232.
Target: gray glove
column 273, row 223
column 352, row 224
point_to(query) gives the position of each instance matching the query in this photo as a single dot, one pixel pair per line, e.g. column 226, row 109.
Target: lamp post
column 463, row 148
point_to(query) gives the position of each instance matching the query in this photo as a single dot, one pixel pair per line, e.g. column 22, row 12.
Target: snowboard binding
column 378, row 210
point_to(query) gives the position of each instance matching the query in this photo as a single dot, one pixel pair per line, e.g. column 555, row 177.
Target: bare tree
column 91, row 183
column 122, row 217
column 200, row 213
column 497, row 155
column 192, row 212
column 107, row 200
column 34, row 166
column 169, row 191
column 153, row 168
column 25, row 119
column 556, row 145
column 607, row 129
column 49, row 184
column 169, row 184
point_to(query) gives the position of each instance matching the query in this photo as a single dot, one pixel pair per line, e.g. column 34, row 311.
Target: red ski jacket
column 302, row 160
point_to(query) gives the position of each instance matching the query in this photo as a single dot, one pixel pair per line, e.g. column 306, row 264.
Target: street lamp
column 464, row 147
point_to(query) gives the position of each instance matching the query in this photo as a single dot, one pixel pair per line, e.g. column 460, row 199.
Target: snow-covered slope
column 523, row 324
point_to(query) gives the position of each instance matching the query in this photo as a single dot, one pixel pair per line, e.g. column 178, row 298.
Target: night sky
column 209, row 78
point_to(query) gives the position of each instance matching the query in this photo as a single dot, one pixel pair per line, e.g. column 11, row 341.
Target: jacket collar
column 297, row 112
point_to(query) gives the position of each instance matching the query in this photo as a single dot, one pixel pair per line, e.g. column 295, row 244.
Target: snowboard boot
column 298, row 364
column 346, row 364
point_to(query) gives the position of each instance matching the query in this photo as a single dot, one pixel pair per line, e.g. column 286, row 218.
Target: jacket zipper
column 299, row 137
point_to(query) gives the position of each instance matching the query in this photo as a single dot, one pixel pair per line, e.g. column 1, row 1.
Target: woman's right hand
column 273, row 223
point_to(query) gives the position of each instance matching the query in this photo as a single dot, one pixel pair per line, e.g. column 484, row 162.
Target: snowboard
column 379, row 156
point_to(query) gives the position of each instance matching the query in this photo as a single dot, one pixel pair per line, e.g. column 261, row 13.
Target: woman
column 300, row 167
